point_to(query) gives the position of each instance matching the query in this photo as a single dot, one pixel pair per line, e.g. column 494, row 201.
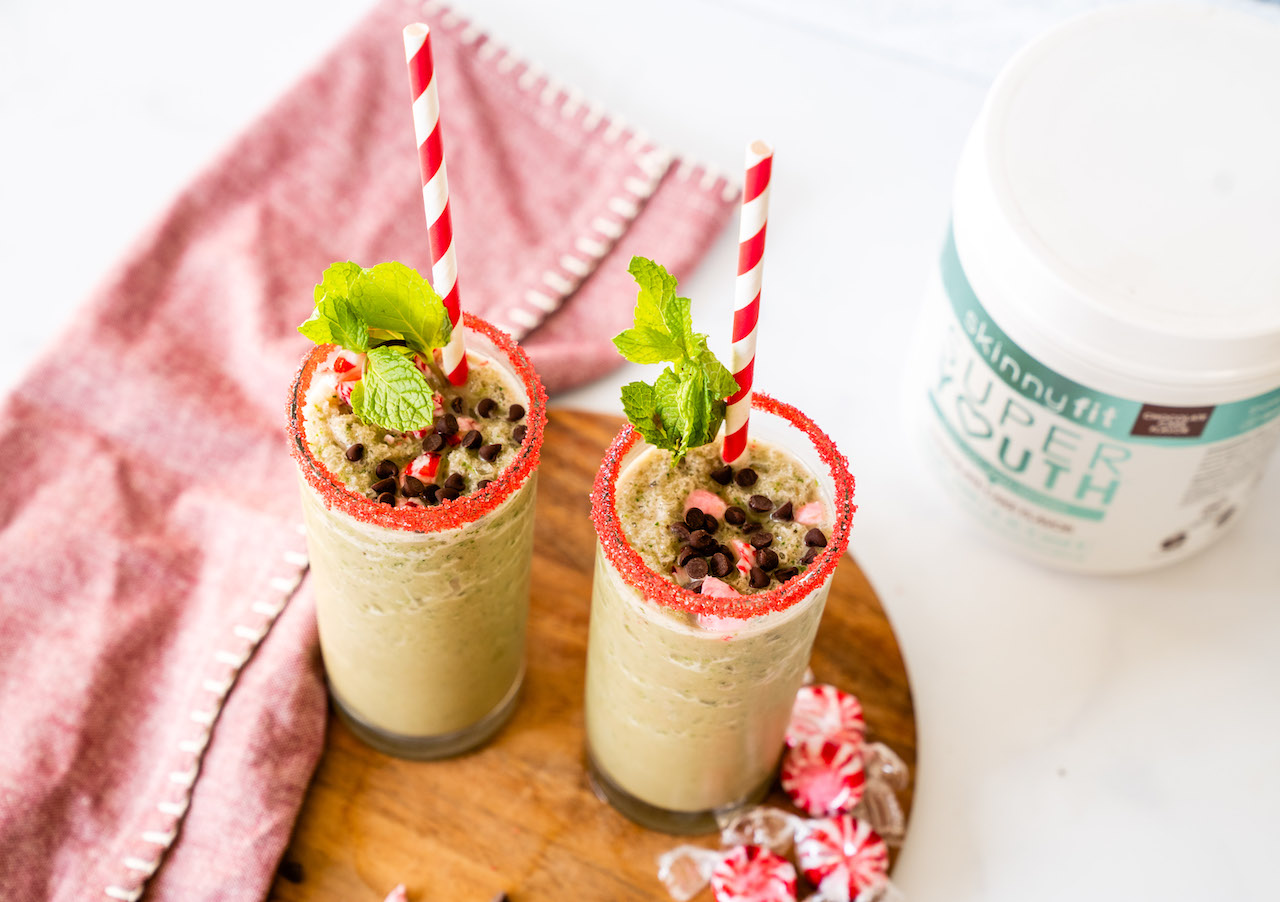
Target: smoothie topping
column 355, row 452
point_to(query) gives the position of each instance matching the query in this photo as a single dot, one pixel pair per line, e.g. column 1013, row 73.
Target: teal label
column 1063, row 447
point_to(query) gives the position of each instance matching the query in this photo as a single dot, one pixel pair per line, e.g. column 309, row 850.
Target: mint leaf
column 398, row 303
column 638, row 403
column 645, row 345
column 336, row 280
column 393, row 392
column 656, row 285
column 720, row 381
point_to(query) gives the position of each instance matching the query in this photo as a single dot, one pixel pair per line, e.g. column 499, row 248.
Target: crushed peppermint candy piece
column 423, row 467
column 843, row 857
column 811, row 514
column 707, row 502
column 399, row 894
column 746, row 554
column 719, row 588
column 824, row 712
column 823, row 778
column 753, row 874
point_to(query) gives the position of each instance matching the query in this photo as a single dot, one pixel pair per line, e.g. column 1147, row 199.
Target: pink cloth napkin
column 161, row 693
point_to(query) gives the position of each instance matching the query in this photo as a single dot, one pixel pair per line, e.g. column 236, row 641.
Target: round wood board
column 518, row 815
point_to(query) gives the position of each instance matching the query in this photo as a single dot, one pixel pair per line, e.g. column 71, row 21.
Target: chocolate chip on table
column 515, row 413
column 518, row 434
column 697, row 568
column 816, row 538
column 683, row 555
column 355, row 452
column 489, row 452
column 455, row 482
column 784, row 511
column 486, row 407
column 710, row 524
column 483, row 483
column 760, row 539
column 723, row 475
column 448, row 424
column 456, row 405
column 811, row 555
column 758, row 578
column 701, row 541
column 433, row 443
column 735, row 516
column 413, row 487
column 291, row 871
column 767, row 558
column 501, row 897
column 431, row 493
column 383, row 486
column 680, row 531
column 472, row 440
column 693, row 518
column 720, row 565
column 386, row 469
column 387, row 498
column 745, row 477
column 694, row 586
column 760, row 503
column 448, row 494
column 783, row 575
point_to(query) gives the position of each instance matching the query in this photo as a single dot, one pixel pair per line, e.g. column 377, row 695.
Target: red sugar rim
column 447, row 514
column 659, row 590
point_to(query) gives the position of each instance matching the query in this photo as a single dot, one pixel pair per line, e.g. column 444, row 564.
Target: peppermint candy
column 842, row 856
column 753, row 874
column 824, row 712
column 823, row 778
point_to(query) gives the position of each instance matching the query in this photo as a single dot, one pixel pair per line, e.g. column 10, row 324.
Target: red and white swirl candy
column 822, row 712
column 753, row 874
column 823, row 778
column 842, row 856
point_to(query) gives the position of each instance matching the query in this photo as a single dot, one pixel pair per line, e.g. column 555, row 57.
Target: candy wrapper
column 848, row 787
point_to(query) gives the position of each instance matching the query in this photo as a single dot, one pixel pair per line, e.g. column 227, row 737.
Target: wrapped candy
column 685, row 870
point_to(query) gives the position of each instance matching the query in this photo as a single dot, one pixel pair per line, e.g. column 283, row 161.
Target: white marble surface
column 1080, row 738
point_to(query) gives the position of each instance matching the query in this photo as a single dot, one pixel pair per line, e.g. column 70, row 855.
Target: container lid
column 1119, row 196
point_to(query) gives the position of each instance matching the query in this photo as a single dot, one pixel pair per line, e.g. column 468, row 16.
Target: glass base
column 677, row 823
column 427, row 748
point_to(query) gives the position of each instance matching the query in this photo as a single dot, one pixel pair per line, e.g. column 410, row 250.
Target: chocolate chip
column 760, row 503
column 745, row 477
column 472, row 440
column 735, row 516
column 483, row 483
column 516, row 413
column 413, row 487
column 697, row 568
column 291, row 870
column 767, row 558
column 385, row 469
column 382, row 486
column 710, row 523
column 784, row 512
column 387, row 498
column 811, row 555
column 431, row 493
column 680, row 531
column 683, row 555
column 783, row 575
column 489, row 452
column 760, row 539
column 486, row 407
column 815, row 537
column 726, row 551
column 722, row 475
column 519, row 433
column 456, row 405
column 433, row 443
column 501, row 897
column 355, row 452
column 693, row 518
column 694, row 586
column 456, row 482
column 448, row 425
column 758, row 578
column 447, row 494
column 701, row 541
column 720, row 565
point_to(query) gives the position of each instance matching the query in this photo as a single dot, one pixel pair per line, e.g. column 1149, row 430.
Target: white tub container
column 1104, row 370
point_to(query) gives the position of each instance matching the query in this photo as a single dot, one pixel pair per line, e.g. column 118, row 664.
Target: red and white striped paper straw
column 435, row 190
column 746, row 308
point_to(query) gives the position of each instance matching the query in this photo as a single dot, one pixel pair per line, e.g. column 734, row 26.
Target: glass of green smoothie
column 710, row 581
column 420, row 539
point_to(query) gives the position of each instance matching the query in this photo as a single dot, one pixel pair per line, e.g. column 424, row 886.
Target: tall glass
column 422, row 611
column 688, row 696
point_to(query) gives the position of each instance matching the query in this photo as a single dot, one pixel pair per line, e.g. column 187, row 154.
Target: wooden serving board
column 518, row 815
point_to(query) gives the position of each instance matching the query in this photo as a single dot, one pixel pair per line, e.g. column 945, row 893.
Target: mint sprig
column 685, row 406
column 389, row 313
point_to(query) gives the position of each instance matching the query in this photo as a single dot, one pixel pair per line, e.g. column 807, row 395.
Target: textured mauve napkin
column 160, row 688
